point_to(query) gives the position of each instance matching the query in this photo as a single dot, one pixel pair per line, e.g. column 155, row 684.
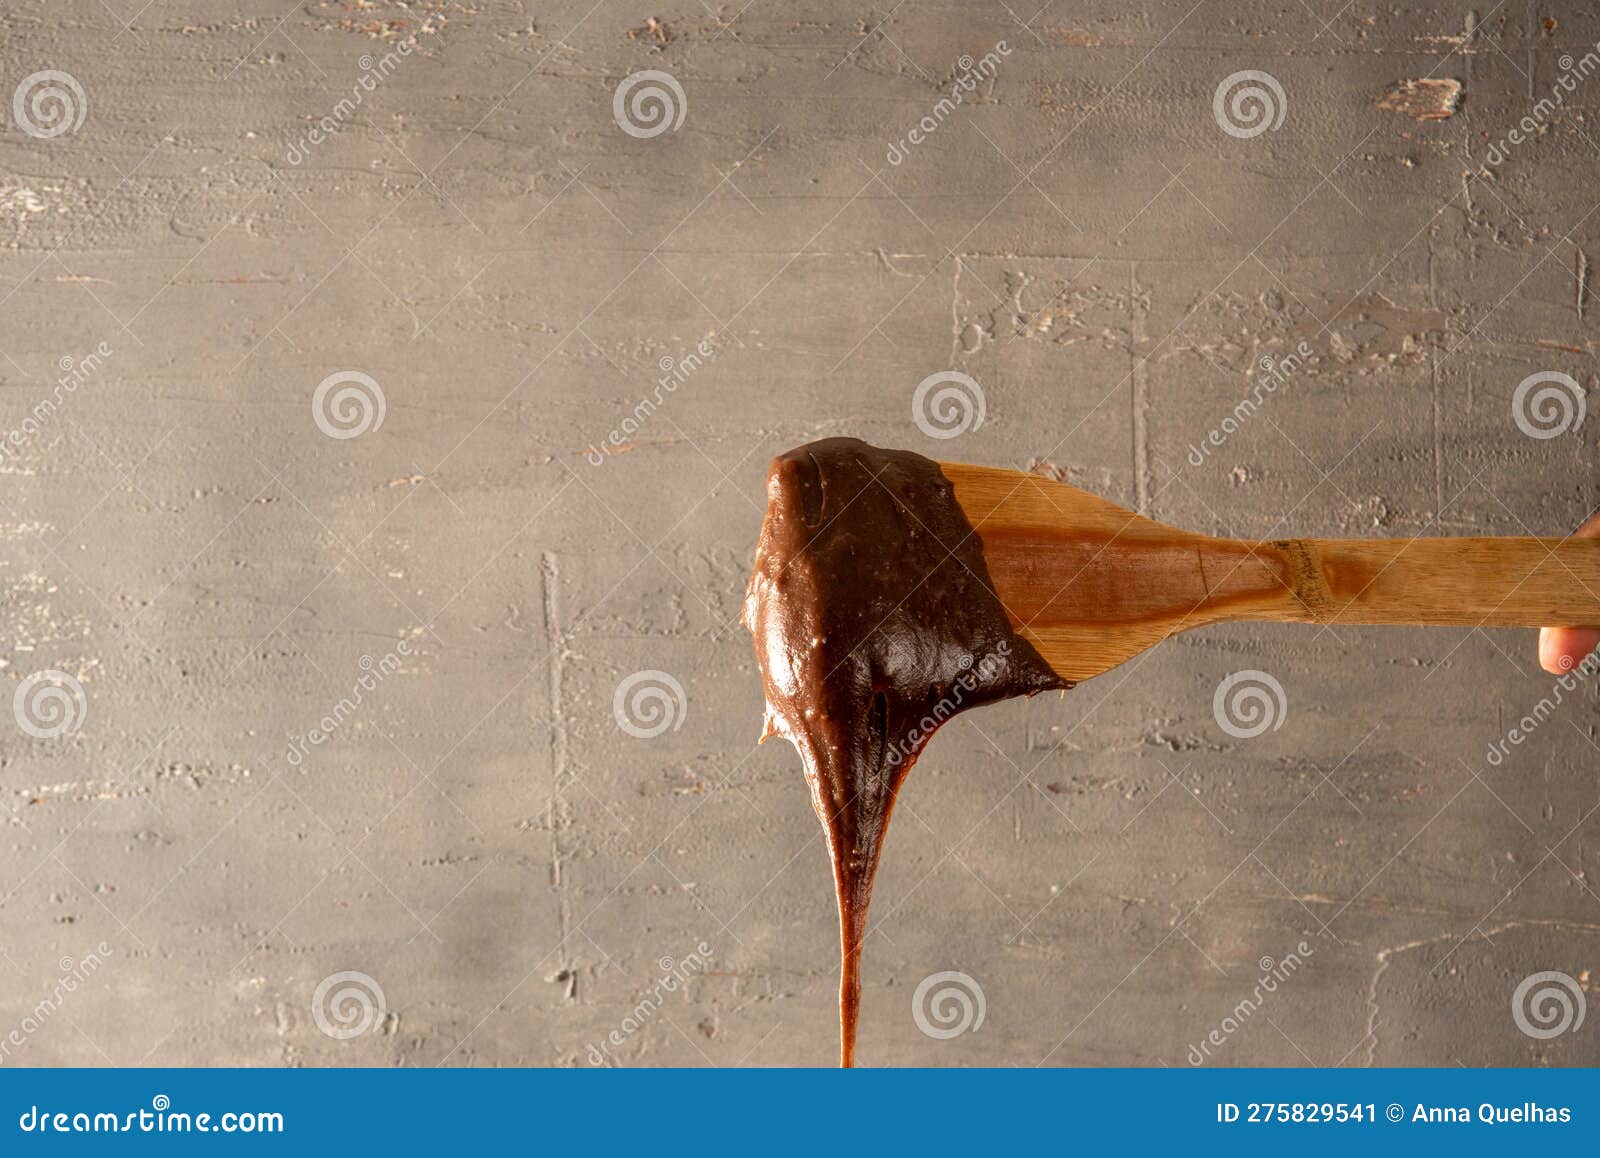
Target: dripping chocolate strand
column 874, row 622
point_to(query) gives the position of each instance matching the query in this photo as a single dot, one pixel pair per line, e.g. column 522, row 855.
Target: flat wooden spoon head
column 1091, row 584
column 890, row 593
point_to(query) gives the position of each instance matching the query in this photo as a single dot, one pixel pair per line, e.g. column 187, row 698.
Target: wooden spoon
column 1091, row 584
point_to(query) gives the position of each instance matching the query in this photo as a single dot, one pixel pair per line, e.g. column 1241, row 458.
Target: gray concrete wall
column 184, row 863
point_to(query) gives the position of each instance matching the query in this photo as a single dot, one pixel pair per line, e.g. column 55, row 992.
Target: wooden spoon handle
column 1493, row 582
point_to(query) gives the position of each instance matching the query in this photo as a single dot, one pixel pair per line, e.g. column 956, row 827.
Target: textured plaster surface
column 478, row 234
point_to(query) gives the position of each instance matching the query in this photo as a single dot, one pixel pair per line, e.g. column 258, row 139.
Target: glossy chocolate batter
column 874, row 622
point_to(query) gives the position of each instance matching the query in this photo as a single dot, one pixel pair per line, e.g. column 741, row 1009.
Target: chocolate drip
column 874, row 622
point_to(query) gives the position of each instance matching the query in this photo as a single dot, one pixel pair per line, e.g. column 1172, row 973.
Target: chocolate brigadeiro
column 874, row 622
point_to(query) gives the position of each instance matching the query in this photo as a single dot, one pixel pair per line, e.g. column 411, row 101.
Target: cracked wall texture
column 480, row 236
